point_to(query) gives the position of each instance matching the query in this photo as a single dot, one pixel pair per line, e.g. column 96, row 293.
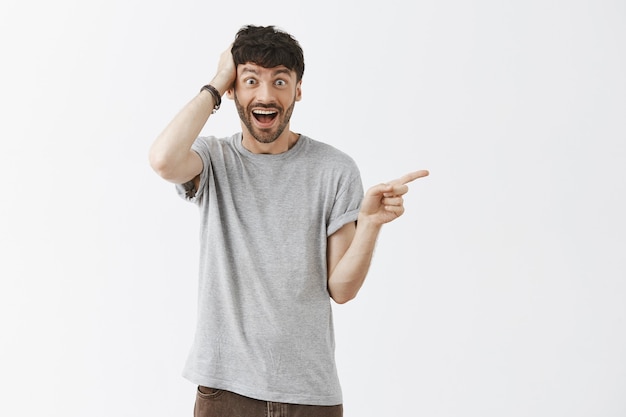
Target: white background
column 501, row 292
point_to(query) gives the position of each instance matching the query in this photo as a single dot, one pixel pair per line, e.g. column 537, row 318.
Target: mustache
column 270, row 106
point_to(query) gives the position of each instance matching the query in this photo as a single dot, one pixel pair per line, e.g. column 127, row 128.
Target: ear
column 299, row 91
column 230, row 93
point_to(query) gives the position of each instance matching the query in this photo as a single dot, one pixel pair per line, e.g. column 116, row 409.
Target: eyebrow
column 274, row 73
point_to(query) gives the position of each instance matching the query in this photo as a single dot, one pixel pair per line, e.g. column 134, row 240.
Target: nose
column 265, row 93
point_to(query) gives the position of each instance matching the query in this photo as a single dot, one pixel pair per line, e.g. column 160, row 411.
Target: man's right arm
column 170, row 154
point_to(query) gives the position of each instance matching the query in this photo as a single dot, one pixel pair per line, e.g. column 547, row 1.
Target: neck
column 282, row 144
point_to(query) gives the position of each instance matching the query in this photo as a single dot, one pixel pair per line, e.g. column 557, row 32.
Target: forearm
column 348, row 276
column 170, row 154
column 171, row 148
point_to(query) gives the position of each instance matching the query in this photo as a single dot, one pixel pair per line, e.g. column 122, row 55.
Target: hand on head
column 226, row 71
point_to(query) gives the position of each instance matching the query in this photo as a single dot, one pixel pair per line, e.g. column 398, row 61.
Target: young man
column 285, row 226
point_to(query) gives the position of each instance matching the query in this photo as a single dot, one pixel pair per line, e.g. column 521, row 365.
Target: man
column 285, row 226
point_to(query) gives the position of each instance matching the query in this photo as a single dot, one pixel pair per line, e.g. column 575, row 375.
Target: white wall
column 501, row 292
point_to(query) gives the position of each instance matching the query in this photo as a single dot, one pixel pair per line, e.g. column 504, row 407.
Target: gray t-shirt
column 265, row 327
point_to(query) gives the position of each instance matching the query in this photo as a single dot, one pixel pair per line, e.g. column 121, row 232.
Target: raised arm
column 170, row 154
column 350, row 249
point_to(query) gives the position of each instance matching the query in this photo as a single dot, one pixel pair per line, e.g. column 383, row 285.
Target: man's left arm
column 350, row 249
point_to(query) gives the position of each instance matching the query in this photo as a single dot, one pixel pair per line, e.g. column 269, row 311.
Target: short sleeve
column 348, row 201
column 188, row 190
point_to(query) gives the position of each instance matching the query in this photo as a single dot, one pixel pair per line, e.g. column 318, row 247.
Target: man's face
column 265, row 98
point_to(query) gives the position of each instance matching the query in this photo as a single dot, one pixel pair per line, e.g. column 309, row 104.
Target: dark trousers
column 212, row 402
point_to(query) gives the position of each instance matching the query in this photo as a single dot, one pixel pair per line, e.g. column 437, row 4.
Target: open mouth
column 264, row 116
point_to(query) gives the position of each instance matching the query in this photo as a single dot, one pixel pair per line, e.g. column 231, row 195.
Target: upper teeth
column 264, row 111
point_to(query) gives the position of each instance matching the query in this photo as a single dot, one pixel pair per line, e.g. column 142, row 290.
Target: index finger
column 411, row 176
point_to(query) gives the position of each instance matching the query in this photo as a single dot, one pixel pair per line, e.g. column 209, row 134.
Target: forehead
column 250, row 68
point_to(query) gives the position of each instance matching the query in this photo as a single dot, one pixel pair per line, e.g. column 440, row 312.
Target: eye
column 281, row 83
column 250, row 81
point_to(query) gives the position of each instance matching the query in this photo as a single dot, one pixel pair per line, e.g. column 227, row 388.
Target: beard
column 264, row 135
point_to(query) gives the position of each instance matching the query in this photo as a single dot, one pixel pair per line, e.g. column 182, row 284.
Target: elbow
column 157, row 164
column 342, row 298
column 343, row 290
column 160, row 164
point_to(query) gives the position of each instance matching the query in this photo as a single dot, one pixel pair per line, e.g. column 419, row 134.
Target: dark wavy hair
column 268, row 47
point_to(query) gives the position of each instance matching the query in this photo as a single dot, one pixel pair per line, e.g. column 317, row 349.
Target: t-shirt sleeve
column 348, row 201
column 188, row 190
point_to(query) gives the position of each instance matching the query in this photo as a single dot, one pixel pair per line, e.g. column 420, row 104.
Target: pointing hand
column 384, row 202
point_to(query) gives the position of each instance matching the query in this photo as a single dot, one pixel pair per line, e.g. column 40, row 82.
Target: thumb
column 379, row 190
